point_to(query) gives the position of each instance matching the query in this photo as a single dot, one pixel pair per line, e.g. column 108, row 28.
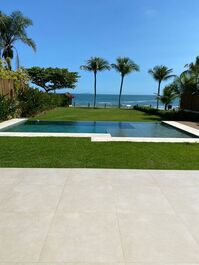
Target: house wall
column 189, row 102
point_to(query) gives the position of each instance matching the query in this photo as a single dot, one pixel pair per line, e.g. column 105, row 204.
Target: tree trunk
column 95, row 88
column 158, row 95
column 165, row 106
column 121, row 85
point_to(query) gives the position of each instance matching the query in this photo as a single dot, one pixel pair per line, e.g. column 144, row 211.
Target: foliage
column 32, row 101
column 124, row 66
column 170, row 92
column 193, row 68
column 169, row 115
column 160, row 73
column 188, row 81
column 12, row 29
column 20, row 76
column 8, row 108
column 185, row 83
column 52, row 78
column 95, row 64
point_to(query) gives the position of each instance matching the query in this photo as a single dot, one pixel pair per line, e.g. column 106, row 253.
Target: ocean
column 108, row 100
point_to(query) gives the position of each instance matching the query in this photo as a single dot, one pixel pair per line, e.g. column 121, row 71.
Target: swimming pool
column 115, row 129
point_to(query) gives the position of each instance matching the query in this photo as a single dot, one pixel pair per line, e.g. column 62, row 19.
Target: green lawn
column 81, row 152
column 86, row 114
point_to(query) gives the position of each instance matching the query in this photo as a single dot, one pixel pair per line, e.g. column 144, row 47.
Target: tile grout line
column 53, row 218
column 118, row 223
column 115, row 194
column 93, row 263
column 120, row 235
column 177, row 214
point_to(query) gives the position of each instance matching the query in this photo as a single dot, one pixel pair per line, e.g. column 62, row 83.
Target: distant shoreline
column 111, row 100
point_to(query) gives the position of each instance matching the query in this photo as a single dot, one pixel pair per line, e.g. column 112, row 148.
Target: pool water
column 116, row 129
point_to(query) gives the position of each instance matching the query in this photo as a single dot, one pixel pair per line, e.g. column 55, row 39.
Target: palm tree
column 95, row 64
column 13, row 29
column 193, row 67
column 160, row 73
column 193, row 72
column 124, row 66
column 170, row 92
column 186, row 83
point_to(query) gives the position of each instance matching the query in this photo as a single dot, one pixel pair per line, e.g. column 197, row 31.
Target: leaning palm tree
column 193, row 72
column 95, row 64
column 13, row 29
column 124, row 66
column 186, row 83
column 160, row 73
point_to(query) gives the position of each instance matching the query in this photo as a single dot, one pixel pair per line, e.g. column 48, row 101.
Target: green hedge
column 29, row 102
column 32, row 101
column 8, row 108
column 179, row 115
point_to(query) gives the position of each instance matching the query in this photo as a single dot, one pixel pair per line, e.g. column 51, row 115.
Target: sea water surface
column 111, row 100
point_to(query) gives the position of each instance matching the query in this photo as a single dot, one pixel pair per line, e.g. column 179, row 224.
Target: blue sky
column 151, row 32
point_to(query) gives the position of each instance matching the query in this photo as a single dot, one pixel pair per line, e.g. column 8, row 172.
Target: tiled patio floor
column 98, row 216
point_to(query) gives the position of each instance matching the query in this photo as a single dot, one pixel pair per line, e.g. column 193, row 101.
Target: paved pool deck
column 98, row 216
column 192, row 124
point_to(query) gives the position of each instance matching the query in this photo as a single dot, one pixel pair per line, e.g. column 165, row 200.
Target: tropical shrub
column 8, row 108
column 20, row 76
column 32, row 101
column 177, row 115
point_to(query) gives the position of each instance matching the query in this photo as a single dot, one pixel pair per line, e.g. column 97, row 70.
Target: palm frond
column 12, row 29
column 125, row 65
column 29, row 42
column 96, row 64
column 86, row 68
column 161, row 72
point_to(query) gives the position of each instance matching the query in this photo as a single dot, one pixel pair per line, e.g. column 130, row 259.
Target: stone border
column 182, row 127
column 144, row 139
column 39, row 134
column 35, row 134
column 11, row 122
column 100, row 137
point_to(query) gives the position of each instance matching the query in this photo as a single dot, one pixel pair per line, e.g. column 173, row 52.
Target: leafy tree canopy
column 52, row 78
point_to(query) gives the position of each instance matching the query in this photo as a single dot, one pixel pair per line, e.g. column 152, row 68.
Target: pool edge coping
column 103, row 137
column 12, row 122
column 182, row 127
